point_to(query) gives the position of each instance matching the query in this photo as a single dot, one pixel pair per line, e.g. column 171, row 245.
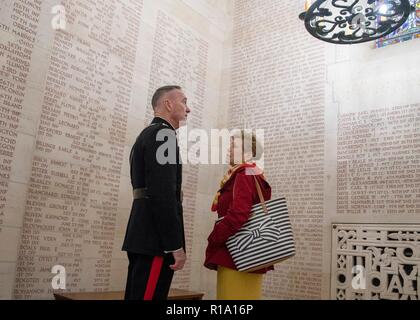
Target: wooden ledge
column 174, row 294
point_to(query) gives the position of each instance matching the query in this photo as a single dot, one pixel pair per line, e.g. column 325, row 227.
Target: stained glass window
column 409, row 30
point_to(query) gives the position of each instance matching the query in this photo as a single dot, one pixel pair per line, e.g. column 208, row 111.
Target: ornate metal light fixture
column 354, row 21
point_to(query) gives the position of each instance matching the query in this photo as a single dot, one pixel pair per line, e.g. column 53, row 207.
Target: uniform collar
column 163, row 121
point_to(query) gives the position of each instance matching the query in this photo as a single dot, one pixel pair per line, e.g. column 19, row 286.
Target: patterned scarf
column 226, row 178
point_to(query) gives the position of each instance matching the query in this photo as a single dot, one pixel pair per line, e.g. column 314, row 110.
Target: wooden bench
column 174, row 294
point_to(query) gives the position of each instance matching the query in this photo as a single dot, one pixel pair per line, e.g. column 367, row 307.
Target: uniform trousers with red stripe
column 149, row 278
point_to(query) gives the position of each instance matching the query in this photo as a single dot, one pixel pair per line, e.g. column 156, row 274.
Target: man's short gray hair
column 160, row 92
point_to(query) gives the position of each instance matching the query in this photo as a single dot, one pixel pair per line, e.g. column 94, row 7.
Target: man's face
column 179, row 110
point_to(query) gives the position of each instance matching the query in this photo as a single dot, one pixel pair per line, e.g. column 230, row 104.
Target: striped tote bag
column 266, row 238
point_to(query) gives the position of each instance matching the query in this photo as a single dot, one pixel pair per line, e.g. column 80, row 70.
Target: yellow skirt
column 236, row 285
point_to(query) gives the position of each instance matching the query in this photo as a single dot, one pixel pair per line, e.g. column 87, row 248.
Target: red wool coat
column 235, row 208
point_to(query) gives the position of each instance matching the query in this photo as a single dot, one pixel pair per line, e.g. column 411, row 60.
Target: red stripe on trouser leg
column 153, row 278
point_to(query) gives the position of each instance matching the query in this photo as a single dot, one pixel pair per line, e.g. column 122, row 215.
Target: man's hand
column 180, row 258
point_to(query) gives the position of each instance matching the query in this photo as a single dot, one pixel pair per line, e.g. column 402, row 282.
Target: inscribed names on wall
column 282, row 92
column 19, row 24
column 16, row 44
column 378, row 161
column 73, row 191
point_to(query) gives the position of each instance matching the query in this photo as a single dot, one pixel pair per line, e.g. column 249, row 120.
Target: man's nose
column 188, row 110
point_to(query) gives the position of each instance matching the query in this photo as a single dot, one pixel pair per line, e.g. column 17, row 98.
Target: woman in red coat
column 233, row 202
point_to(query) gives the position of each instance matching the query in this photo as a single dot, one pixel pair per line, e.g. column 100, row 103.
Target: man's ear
column 168, row 105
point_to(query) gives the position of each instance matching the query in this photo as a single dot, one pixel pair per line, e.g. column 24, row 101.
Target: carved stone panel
column 375, row 261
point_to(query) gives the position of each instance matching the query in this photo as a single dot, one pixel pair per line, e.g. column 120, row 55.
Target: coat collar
column 232, row 172
column 163, row 121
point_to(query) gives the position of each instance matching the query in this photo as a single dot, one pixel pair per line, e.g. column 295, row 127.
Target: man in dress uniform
column 154, row 240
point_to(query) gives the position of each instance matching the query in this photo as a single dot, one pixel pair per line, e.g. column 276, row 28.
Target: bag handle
column 260, row 195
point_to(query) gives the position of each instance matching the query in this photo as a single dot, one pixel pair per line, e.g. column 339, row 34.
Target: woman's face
column 235, row 151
